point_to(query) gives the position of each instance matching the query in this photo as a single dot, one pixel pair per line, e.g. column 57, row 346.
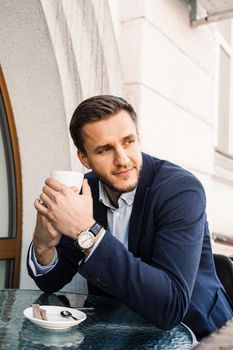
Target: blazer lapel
column 136, row 219
column 139, row 211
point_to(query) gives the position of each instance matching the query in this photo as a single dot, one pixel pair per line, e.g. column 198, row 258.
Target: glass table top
column 109, row 325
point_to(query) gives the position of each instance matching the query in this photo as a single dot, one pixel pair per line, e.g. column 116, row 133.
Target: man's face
column 113, row 151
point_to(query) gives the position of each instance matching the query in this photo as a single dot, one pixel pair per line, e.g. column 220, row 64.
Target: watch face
column 86, row 240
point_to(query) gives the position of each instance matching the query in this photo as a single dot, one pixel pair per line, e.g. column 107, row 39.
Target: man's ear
column 83, row 159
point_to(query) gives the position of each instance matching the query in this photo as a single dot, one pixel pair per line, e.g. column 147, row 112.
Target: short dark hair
column 94, row 109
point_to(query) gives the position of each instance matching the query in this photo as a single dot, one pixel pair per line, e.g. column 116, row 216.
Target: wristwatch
column 86, row 239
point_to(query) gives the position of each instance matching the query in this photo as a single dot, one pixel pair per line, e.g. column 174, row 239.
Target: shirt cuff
column 37, row 268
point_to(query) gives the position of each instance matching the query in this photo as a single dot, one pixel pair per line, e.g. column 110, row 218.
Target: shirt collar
column 125, row 198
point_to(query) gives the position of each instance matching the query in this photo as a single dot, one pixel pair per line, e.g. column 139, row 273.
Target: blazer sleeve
column 159, row 289
column 69, row 258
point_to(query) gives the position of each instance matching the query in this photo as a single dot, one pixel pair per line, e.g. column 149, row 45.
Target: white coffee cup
column 68, row 178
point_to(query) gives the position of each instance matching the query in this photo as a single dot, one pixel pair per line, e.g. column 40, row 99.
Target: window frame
column 224, row 45
column 10, row 248
column 223, row 159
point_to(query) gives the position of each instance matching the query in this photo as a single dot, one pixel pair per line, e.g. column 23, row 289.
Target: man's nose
column 121, row 157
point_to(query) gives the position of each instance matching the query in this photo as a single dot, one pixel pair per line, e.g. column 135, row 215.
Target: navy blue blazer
column 167, row 275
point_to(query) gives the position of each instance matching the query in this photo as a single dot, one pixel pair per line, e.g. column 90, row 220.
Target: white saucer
column 55, row 320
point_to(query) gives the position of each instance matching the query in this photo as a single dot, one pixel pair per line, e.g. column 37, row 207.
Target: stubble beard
column 117, row 189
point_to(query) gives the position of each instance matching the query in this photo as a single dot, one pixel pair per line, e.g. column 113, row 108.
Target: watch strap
column 95, row 228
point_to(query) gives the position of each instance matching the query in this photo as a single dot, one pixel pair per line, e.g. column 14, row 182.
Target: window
column 11, row 194
column 224, row 135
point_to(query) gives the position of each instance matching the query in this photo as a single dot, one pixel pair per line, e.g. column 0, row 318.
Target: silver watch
column 86, row 239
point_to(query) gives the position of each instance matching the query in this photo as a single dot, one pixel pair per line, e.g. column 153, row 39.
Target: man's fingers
column 43, row 221
column 86, row 190
column 52, row 230
column 75, row 189
column 38, row 204
column 55, row 184
column 45, row 200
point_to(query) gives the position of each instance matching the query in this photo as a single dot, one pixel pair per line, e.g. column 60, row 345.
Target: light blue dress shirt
column 118, row 218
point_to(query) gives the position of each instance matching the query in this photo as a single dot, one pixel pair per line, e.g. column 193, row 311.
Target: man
column 145, row 240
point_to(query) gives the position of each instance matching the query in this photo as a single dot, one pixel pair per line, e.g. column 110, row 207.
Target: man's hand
column 68, row 211
column 45, row 239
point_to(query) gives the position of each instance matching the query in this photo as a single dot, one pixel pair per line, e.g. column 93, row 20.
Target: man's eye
column 128, row 142
column 101, row 151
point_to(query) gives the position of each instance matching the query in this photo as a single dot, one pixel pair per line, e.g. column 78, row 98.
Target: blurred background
column 171, row 59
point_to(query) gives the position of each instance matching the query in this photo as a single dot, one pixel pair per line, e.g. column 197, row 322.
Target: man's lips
column 123, row 173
